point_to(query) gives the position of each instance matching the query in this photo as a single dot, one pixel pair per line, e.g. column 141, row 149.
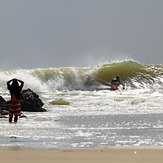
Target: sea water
column 83, row 113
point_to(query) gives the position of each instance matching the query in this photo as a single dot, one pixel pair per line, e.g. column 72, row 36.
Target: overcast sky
column 61, row 33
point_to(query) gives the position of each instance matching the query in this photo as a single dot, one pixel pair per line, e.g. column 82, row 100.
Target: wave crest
column 133, row 74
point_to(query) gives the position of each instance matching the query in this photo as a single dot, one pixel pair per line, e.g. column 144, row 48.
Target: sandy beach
column 82, row 156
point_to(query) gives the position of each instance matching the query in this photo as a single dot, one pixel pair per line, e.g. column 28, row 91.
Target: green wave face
column 132, row 74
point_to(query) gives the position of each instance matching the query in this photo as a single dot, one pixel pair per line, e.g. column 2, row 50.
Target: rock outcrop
column 29, row 100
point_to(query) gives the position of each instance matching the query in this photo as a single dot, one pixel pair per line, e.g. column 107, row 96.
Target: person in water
column 15, row 107
column 115, row 83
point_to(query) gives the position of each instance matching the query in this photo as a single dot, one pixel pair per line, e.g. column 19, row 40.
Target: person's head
column 15, row 84
column 117, row 77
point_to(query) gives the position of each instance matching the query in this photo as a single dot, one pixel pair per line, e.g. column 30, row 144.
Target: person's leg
column 11, row 112
column 16, row 119
column 10, row 119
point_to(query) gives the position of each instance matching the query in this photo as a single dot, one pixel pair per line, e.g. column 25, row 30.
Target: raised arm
column 8, row 83
column 22, row 83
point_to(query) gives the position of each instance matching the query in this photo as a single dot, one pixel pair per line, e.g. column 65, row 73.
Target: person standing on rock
column 15, row 107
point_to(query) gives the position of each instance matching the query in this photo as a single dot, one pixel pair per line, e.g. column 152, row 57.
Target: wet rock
column 4, row 112
column 3, row 107
column 31, row 102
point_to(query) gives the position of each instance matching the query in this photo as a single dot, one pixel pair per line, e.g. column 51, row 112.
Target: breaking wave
column 133, row 74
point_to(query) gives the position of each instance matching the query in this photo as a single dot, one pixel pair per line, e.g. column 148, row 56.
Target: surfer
column 115, row 83
column 15, row 89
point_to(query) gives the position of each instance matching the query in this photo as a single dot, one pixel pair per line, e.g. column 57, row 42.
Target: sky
column 78, row 33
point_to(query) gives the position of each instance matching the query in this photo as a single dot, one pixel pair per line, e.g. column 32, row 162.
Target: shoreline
column 90, row 132
column 116, row 155
column 131, row 135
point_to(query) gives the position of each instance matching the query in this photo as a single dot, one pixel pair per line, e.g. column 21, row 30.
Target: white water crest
column 133, row 74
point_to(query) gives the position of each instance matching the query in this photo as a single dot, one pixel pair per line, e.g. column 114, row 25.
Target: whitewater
column 81, row 110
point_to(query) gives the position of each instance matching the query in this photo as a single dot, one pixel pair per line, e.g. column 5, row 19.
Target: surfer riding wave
column 115, row 83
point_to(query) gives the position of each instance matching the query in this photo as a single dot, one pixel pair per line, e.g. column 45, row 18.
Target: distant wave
column 133, row 75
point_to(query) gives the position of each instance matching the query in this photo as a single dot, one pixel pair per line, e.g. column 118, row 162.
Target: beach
column 82, row 156
column 87, row 139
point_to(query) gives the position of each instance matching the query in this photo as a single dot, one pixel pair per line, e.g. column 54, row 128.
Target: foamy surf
column 83, row 113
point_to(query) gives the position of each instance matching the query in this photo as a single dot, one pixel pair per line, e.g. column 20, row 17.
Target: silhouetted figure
column 115, row 83
column 15, row 107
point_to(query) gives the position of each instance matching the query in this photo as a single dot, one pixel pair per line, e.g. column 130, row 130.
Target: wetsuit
column 115, row 83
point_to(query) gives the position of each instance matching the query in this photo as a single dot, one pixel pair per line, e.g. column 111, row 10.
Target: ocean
column 83, row 113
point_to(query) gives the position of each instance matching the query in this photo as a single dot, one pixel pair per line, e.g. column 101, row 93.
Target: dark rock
column 23, row 116
column 4, row 112
column 4, row 107
column 2, row 101
column 2, row 116
column 31, row 102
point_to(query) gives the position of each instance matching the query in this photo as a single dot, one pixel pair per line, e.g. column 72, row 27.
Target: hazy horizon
column 66, row 33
